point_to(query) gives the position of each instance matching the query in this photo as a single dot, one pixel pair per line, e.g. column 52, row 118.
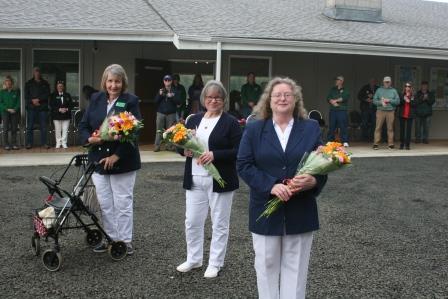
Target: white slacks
column 198, row 201
column 115, row 195
column 281, row 264
column 61, row 131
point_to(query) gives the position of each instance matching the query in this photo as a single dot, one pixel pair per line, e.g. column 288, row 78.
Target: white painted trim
column 89, row 35
column 218, row 61
column 241, row 44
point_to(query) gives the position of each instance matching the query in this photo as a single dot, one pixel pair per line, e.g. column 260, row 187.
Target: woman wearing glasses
column 221, row 133
column 61, row 110
column 270, row 151
column 406, row 114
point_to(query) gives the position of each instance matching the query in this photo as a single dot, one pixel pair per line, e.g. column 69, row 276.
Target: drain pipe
column 218, row 62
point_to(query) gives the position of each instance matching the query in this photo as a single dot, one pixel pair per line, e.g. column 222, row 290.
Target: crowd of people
column 40, row 103
column 379, row 105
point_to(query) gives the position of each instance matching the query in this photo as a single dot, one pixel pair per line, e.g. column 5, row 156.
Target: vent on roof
column 354, row 10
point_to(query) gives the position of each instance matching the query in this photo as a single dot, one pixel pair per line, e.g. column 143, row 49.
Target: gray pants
column 10, row 121
column 163, row 121
column 422, row 125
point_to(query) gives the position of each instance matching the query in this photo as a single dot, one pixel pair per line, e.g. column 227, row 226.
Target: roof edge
column 247, row 44
column 84, row 34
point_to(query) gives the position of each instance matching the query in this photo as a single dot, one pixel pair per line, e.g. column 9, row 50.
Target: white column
column 218, row 62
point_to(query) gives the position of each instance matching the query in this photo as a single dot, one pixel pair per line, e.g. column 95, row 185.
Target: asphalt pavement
column 384, row 234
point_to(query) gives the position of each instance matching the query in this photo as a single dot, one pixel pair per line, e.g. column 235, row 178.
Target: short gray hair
column 214, row 85
column 116, row 70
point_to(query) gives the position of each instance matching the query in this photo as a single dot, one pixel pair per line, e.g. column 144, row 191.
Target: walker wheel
column 94, row 237
column 52, row 260
column 118, row 250
column 35, row 244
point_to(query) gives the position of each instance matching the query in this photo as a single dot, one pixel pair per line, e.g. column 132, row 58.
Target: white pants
column 281, row 263
column 115, row 195
column 199, row 199
column 61, row 131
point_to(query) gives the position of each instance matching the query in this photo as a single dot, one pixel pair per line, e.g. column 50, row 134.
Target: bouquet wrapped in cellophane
column 182, row 137
column 122, row 127
column 327, row 158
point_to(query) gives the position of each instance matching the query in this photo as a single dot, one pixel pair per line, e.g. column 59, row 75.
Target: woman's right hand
column 188, row 153
column 281, row 191
column 94, row 140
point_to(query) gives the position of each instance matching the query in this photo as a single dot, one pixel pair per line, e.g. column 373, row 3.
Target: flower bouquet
column 242, row 122
column 122, row 127
column 325, row 159
column 182, row 137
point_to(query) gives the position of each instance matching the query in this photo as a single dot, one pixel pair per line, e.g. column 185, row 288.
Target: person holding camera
column 167, row 101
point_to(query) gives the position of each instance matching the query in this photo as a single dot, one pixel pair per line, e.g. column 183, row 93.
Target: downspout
column 218, row 62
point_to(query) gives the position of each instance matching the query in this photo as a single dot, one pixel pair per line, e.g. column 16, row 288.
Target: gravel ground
column 383, row 235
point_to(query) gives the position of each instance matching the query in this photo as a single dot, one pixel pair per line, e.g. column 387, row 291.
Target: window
column 241, row 66
column 10, row 65
column 60, row 65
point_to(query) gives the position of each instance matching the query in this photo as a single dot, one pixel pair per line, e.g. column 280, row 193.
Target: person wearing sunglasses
column 406, row 113
column 167, row 100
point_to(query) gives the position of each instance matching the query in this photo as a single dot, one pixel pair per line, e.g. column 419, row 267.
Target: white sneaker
column 187, row 267
column 211, row 271
column 58, row 145
column 346, row 144
column 64, row 146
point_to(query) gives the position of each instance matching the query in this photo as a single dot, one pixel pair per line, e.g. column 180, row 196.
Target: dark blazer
column 92, row 120
column 223, row 142
column 262, row 163
column 56, row 103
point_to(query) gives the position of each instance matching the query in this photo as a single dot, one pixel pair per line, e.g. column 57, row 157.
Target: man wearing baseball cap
column 386, row 98
column 166, row 101
column 338, row 98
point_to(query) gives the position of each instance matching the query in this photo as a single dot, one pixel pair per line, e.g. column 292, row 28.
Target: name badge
column 120, row 104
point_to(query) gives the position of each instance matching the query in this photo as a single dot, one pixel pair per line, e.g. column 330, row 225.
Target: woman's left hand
column 109, row 161
column 303, row 182
column 206, row 158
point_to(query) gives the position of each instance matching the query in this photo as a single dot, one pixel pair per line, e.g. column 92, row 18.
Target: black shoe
column 408, row 147
column 425, row 141
column 157, row 149
column 391, row 147
column 28, row 146
column 401, row 146
column 46, row 146
column 375, row 147
column 417, row 141
column 7, row 148
column 101, row 248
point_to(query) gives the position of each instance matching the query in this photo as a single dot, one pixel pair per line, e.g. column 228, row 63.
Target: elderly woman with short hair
column 114, row 178
column 221, row 133
column 270, row 151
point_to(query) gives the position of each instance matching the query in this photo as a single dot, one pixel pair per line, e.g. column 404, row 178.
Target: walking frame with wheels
column 73, row 209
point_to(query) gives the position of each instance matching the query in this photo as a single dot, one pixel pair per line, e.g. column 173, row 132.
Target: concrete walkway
column 37, row 156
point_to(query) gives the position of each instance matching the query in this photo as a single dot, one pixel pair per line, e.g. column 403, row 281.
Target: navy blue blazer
column 224, row 141
column 93, row 118
column 262, row 163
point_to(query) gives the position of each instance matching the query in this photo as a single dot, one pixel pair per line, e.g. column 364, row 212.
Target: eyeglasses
column 167, row 80
column 60, row 82
column 408, row 85
column 210, row 98
column 279, row 95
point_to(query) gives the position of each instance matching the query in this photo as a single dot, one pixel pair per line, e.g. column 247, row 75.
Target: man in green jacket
column 386, row 98
column 250, row 93
column 338, row 98
column 9, row 109
column 425, row 100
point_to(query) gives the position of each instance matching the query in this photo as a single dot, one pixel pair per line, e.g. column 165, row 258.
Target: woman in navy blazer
column 221, row 133
column 269, row 153
column 114, row 178
column 61, row 104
